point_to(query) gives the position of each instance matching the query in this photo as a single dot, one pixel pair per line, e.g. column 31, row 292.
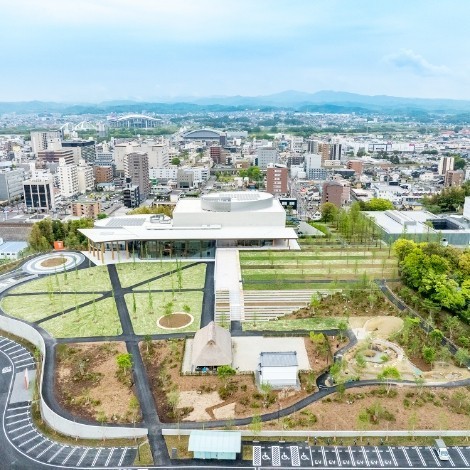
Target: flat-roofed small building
column 219, row 445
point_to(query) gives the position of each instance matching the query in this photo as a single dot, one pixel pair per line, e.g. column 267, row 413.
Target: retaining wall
column 53, row 419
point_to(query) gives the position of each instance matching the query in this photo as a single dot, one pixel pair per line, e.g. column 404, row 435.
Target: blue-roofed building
column 220, row 445
column 11, row 250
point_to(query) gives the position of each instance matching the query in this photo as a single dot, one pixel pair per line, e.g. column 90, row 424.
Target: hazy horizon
column 148, row 50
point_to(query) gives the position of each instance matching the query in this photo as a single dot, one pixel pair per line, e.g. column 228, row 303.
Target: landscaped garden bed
column 91, row 385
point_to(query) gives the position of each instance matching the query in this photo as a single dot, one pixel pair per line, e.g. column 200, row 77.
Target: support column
column 102, row 252
column 127, row 249
column 89, row 248
column 112, row 251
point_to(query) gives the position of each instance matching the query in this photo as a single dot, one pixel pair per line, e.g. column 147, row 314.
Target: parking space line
column 338, row 458
column 406, row 456
column 352, row 456
column 35, row 446
column 24, row 434
column 21, row 427
column 82, row 457
column 18, row 421
column 69, row 455
column 29, row 440
column 19, row 355
column 125, row 450
column 17, row 414
column 379, row 456
column 3, row 340
column 365, row 456
column 431, row 450
column 22, row 360
column 393, row 456
column 96, row 457
column 17, row 408
column 451, row 461
column 311, row 456
column 324, row 456
column 109, row 457
column 21, row 366
column 45, row 450
column 12, row 347
column 420, row 456
column 56, row 454
column 462, row 456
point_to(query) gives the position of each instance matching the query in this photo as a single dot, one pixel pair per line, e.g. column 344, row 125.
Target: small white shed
column 279, row 369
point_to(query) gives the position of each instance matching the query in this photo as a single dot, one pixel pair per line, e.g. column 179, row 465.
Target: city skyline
column 151, row 50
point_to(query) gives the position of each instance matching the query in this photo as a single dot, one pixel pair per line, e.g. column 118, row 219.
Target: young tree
column 329, row 212
column 462, row 357
column 124, row 362
column 224, row 373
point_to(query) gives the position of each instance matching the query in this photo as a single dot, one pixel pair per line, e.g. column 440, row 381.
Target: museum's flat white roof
column 98, row 235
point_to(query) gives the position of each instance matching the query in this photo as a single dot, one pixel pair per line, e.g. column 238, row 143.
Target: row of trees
column 45, row 232
column 440, row 274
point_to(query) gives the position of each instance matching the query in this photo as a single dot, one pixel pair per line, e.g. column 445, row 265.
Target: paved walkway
column 228, row 278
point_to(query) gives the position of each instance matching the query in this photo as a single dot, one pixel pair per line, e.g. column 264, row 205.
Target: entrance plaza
column 246, row 219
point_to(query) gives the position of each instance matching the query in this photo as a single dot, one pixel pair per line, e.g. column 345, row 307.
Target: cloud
column 408, row 59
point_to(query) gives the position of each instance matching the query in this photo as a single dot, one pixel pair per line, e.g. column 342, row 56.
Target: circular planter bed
column 175, row 321
column 53, row 262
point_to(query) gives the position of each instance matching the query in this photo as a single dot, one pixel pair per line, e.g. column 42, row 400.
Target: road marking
column 57, row 453
column 257, row 456
column 29, row 440
column 70, row 455
column 125, row 450
column 24, row 434
column 82, row 457
column 19, row 355
column 22, row 360
column 406, row 456
column 276, row 456
column 17, row 408
column 109, row 457
column 12, row 347
column 311, row 456
column 6, row 369
column 462, row 456
column 45, row 450
column 96, row 457
column 352, row 456
column 378, row 455
column 338, row 458
column 36, row 445
column 324, row 456
column 294, row 455
column 21, row 427
column 17, row 414
column 393, row 456
column 3, row 340
column 19, row 421
column 431, row 450
column 365, row 455
column 420, row 456
column 451, row 461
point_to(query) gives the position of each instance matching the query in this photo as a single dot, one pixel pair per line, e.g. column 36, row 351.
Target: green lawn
column 82, row 280
column 99, row 320
column 134, row 273
column 35, row 307
column 145, row 322
column 307, row 324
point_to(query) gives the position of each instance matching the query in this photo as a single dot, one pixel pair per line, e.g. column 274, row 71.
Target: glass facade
column 162, row 249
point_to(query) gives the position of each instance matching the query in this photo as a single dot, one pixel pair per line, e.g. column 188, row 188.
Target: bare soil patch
column 52, row 262
column 403, row 408
column 163, row 360
column 88, row 386
column 175, row 320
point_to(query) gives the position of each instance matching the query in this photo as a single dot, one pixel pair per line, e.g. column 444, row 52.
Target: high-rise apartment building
column 454, row 178
column 82, row 149
column 265, row 156
column 136, row 167
column 445, row 164
column 86, row 178
column 68, row 179
column 11, row 184
column 336, row 192
column 157, row 153
column 357, row 166
column 103, row 173
column 276, row 180
column 336, row 151
column 54, row 156
column 131, row 194
column 45, row 140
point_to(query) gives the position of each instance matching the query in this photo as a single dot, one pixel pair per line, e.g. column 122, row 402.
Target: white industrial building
column 279, row 369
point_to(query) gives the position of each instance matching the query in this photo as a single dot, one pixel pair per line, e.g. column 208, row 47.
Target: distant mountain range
column 321, row 101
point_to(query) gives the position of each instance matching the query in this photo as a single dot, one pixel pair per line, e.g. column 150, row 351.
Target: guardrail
column 53, row 419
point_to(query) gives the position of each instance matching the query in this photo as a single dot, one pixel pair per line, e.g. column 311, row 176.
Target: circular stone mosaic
column 52, row 262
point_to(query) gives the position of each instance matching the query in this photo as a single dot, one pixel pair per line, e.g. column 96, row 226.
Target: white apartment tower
column 86, row 178
column 68, row 179
column 48, row 140
column 446, row 164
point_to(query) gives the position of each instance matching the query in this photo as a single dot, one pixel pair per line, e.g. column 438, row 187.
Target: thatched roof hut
column 212, row 347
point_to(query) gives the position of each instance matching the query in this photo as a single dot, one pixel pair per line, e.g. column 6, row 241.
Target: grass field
column 134, row 273
column 281, row 270
column 308, row 324
column 101, row 319
column 35, row 307
column 144, row 320
column 81, row 280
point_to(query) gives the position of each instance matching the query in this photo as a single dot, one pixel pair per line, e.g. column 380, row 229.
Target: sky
column 99, row 50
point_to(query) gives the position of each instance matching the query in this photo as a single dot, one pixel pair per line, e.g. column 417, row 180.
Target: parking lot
column 287, row 455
